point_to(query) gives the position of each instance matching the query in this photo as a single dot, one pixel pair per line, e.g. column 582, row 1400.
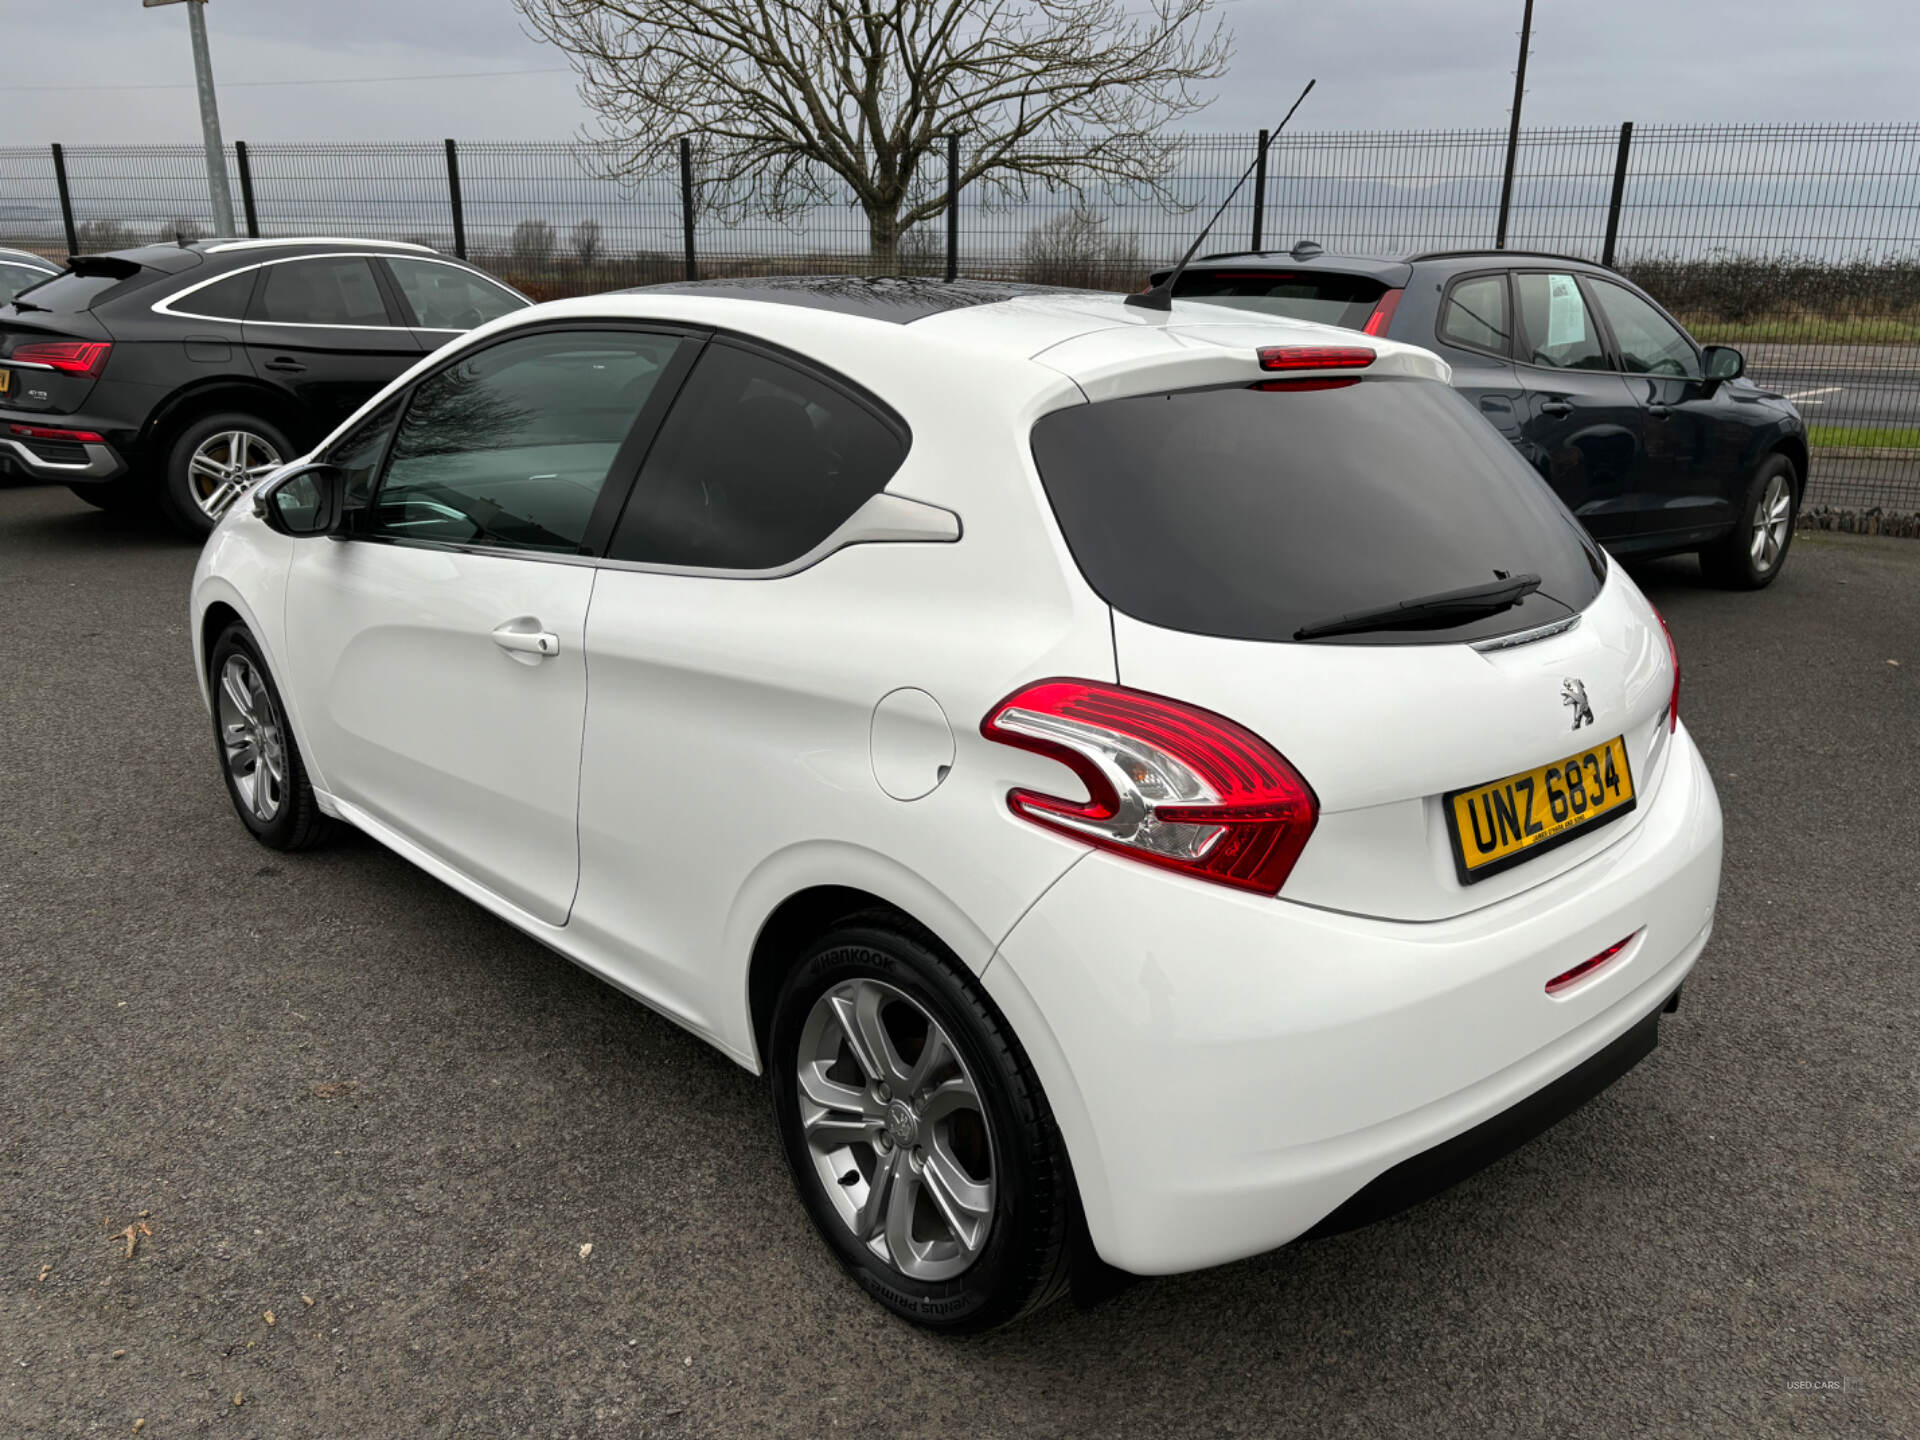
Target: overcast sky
column 1381, row 64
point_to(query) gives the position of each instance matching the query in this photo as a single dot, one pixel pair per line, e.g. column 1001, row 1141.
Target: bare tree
column 584, row 241
column 531, row 243
column 1076, row 248
column 786, row 96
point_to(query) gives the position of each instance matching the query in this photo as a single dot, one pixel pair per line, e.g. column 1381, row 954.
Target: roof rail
column 317, row 240
column 1522, row 254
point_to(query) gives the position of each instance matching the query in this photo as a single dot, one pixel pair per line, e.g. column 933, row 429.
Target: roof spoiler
column 117, row 267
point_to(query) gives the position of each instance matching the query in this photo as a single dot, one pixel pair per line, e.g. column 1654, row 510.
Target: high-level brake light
column 1314, row 357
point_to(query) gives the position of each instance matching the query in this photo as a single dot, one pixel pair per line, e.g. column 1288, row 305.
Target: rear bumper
column 1229, row 1072
column 70, row 462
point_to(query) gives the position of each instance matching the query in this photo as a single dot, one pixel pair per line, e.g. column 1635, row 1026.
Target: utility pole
column 217, row 190
column 1513, row 129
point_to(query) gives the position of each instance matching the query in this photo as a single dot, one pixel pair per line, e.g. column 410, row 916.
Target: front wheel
column 259, row 758
column 917, row 1133
column 213, row 462
column 1750, row 555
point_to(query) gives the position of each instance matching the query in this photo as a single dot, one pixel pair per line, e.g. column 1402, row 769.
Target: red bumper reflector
column 1314, row 357
column 47, row 432
column 1587, row 967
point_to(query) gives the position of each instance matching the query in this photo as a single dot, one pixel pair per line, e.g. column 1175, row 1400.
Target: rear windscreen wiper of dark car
column 1427, row 612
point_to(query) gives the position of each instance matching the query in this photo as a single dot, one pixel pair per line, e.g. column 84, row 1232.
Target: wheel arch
column 1794, row 447
column 229, row 392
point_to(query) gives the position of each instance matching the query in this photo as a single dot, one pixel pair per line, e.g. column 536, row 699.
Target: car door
column 444, row 299
column 1694, row 443
column 732, row 703
column 1473, row 333
column 438, row 650
column 321, row 329
column 1580, row 424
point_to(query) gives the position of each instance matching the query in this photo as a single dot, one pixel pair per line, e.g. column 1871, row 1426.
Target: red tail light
column 1382, row 315
column 1673, row 654
column 48, row 432
column 1167, row 784
column 1587, row 967
column 1314, row 357
column 70, row 357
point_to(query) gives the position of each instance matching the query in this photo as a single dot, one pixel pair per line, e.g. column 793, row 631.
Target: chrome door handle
column 524, row 637
column 1556, row 408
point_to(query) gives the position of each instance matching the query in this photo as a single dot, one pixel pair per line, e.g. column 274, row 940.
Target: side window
column 357, row 453
column 510, row 446
column 1558, row 330
column 446, row 297
column 756, row 464
column 339, row 290
column 1650, row 344
column 223, row 299
column 1475, row 314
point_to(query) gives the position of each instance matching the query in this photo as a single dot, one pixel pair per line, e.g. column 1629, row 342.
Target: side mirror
column 1724, row 363
column 306, row 500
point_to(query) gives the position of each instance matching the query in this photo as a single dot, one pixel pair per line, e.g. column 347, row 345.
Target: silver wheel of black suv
column 1750, row 555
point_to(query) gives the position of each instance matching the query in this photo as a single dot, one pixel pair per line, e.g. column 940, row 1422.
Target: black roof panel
column 901, row 299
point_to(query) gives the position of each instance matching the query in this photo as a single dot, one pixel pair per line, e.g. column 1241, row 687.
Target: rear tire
column 265, row 774
column 973, row 1221
column 212, row 462
column 1752, row 554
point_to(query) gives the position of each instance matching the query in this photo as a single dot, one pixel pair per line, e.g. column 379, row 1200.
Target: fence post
column 1619, row 192
column 686, row 203
column 66, row 198
column 245, row 167
column 1513, row 128
column 953, row 207
column 453, row 197
column 1260, row 191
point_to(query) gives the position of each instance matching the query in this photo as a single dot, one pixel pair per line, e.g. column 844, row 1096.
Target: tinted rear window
column 1250, row 513
column 68, row 292
column 1345, row 300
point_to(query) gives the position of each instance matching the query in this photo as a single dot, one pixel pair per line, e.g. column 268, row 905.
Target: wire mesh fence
column 1800, row 244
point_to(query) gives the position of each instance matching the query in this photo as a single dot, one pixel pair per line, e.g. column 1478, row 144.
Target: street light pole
column 1513, row 129
column 217, row 190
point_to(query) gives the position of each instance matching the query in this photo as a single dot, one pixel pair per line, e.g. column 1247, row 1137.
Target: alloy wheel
column 225, row 466
column 1771, row 521
column 252, row 739
column 896, row 1130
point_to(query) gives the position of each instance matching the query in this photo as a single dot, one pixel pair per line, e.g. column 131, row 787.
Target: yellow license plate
column 1507, row 821
column 6, row 381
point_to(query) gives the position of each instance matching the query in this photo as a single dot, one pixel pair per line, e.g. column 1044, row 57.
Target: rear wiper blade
column 1449, row 607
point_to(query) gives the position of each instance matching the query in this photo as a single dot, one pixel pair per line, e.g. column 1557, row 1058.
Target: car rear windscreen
column 1328, row 299
column 70, row 291
column 1250, row 512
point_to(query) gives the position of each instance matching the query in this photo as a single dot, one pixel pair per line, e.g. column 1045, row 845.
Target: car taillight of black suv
column 177, row 376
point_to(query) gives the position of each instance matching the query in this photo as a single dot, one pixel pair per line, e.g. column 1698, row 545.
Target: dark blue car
column 1658, row 444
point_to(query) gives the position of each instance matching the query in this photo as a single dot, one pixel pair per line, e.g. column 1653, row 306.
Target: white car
column 1142, row 785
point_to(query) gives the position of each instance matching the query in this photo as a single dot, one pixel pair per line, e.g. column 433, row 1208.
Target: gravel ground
column 363, row 1132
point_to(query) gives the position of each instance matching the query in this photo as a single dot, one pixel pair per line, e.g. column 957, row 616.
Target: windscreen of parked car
column 70, row 291
column 1252, row 511
column 15, row 278
column 1327, row 298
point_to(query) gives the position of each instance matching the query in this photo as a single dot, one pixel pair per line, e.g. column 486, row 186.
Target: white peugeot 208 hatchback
column 1144, row 786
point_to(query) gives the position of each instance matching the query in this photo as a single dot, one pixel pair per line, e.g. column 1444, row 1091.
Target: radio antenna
column 1160, row 297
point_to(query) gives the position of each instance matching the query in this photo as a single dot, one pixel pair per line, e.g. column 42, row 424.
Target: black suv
column 1658, row 445
column 181, row 374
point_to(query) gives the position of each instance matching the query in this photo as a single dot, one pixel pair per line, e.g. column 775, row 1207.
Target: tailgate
column 1384, row 733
